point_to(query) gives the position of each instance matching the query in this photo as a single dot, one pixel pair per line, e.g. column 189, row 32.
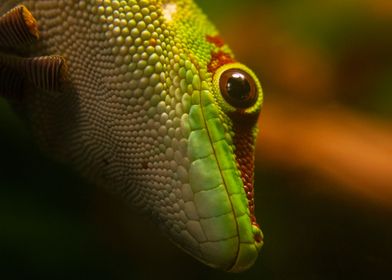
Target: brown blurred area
column 316, row 114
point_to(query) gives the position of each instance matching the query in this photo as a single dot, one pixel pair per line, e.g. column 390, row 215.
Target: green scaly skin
column 142, row 113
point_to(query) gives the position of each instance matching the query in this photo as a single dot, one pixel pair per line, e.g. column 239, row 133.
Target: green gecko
column 144, row 98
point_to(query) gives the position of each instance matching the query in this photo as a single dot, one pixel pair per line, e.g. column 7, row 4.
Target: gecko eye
column 238, row 88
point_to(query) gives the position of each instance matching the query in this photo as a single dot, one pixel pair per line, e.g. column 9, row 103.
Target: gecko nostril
column 258, row 237
column 257, row 234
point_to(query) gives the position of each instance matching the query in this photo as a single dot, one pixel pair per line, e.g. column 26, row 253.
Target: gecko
column 144, row 98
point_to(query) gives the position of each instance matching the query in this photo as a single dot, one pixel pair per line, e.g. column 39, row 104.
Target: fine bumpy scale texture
column 144, row 98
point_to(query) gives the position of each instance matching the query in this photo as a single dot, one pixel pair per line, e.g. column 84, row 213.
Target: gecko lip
column 248, row 252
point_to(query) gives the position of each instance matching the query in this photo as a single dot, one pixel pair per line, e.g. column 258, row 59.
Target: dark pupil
column 238, row 87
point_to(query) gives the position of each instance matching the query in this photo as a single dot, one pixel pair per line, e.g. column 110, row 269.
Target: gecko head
column 168, row 119
column 192, row 112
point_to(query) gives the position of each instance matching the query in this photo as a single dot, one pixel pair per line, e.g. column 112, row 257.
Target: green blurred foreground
column 323, row 186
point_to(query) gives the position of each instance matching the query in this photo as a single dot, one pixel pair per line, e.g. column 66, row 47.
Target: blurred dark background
column 324, row 161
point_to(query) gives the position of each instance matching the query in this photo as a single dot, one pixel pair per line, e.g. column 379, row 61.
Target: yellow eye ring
column 237, row 88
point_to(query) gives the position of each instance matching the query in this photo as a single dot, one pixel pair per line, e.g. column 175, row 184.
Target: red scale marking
column 244, row 151
column 216, row 40
column 153, row 42
column 218, row 58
